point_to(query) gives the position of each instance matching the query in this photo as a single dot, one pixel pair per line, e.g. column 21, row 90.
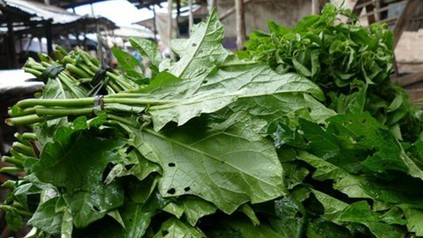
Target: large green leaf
column 46, row 218
column 234, row 163
column 403, row 189
column 358, row 212
column 206, row 80
column 254, row 87
column 74, row 164
column 351, row 185
column 414, row 218
column 202, row 52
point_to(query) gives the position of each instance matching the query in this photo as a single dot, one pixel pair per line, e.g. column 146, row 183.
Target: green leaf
column 67, row 224
column 237, row 83
column 148, row 49
column 176, row 228
column 290, row 215
column 358, row 212
column 301, row 69
column 46, row 218
column 129, row 64
column 241, row 227
column 78, row 175
column 137, row 218
column 346, row 183
column 248, row 210
column 63, row 88
column 318, row 228
column 234, row 163
column 196, row 208
column 414, row 218
column 202, row 52
column 320, row 143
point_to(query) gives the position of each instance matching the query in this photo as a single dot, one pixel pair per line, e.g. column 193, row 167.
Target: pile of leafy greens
column 352, row 64
column 217, row 146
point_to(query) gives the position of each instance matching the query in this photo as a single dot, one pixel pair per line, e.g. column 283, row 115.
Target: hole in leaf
column 186, row 189
column 171, row 164
column 364, row 121
column 96, row 208
column 130, row 219
column 129, row 149
column 171, row 191
column 107, row 171
column 205, row 81
column 194, row 45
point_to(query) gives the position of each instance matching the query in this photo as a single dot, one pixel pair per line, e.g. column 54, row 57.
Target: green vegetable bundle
column 351, row 63
column 209, row 146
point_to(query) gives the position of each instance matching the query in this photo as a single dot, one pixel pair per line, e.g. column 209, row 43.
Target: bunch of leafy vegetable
column 210, row 146
column 351, row 63
column 152, row 160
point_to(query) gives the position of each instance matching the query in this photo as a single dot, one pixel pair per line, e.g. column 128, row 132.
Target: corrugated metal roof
column 44, row 12
column 69, row 3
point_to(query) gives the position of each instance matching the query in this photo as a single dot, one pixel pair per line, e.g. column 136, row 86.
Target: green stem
column 115, row 86
column 17, row 162
column 60, row 112
column 29, row 136
column 21, row 139
column 55, row 102
column 26, row 120
column 118, row 123
column 37, row 66
column 79, row 102
column 120, row 81
column 34, row 72
column 69, row 60
column 128, row 95
column 86, row 69
column 9, row 184
column 120, row 119
column 68, row 83
column 24, row 149
column 135, row 101
column 10, row 170
column 77, row 71
column 23, row 112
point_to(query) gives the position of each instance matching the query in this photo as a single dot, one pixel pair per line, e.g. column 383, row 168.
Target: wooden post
column 13, row 59
column 404, row 18
column 169, row 18
column 376, row 10
column 213, row 5
column 154, row 23
column 315, row 7
column 169, row 33
column 190, row 17
column 49, row 36
column 240, row 24
column 231, row 10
